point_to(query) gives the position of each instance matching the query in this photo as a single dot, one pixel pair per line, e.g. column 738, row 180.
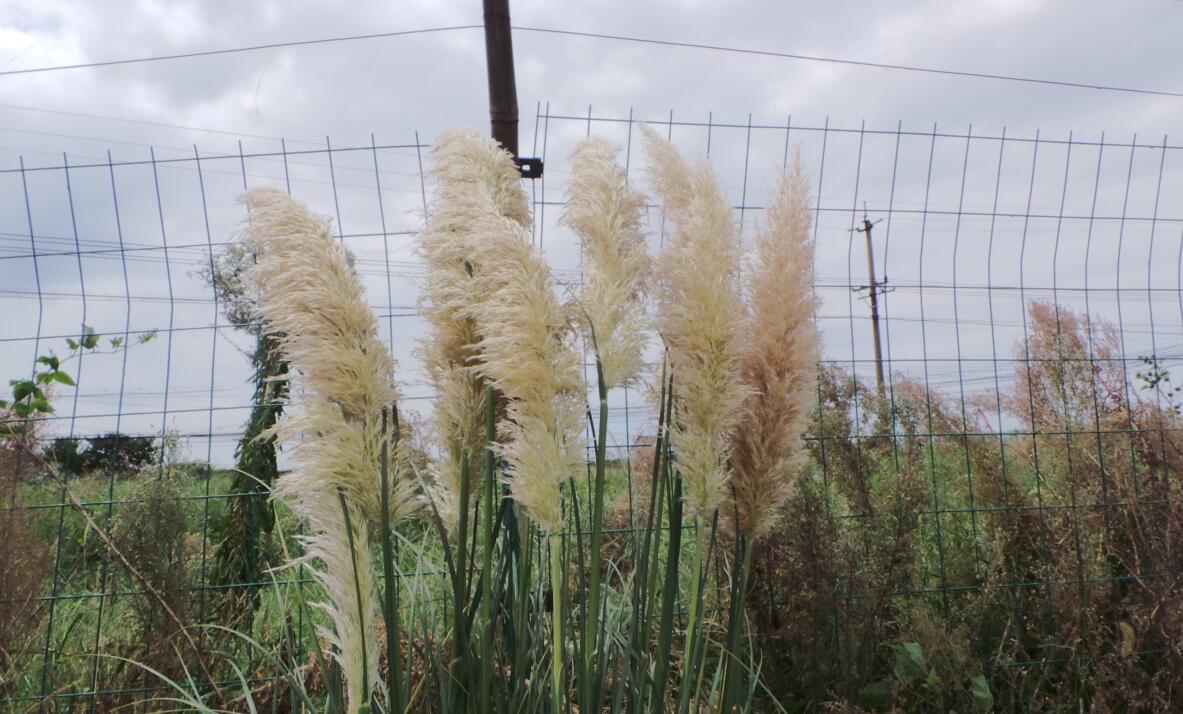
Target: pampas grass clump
column 342, row 375
column 468, row 179
column 495, row 317
column 701, row 318
column 779, row 362
column 526, row 352
column 606, row 215
column 527, row 355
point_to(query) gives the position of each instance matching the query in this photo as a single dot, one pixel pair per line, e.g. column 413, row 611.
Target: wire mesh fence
column 1013, row 481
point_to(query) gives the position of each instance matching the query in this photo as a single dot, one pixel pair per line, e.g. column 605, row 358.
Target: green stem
column 591, row 627
column 390, row 600
column 361, row 611
column 487, row 565
column 733, row 669
column 556, row 588
column 669, row 590
column 461, row 651
column 690, row 651
column 644, row 579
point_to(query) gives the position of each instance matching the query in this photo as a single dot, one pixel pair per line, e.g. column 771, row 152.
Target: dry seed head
column 470, row 177
column 310, row 295
column 526, row 353
column 779, row 364
column 701, row 318
column 606, row 215
column 352, row 639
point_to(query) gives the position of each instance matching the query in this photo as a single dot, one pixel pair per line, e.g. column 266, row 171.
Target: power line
column 850, row 62
column 144, row 122
column 618, row 38
column 235, row 50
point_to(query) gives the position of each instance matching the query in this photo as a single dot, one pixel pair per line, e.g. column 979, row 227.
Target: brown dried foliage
column 24, row 562
column 1055, row 569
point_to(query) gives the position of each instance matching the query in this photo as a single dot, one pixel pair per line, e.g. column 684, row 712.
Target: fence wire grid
column 969, row 231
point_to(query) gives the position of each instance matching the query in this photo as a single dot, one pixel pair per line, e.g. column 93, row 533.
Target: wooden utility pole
column 873, row 288
column 503, row 89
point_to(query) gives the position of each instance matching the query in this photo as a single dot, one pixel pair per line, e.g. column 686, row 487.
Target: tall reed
column 701, row 317
column 517, row 340
column 779, row 361
column 526, row 353
column 469, row 178
column 605, row 213
column 779, row 369
column 501, row 354
column 311, row 296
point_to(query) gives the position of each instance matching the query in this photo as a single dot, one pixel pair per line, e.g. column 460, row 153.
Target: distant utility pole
column 873, row 288
column 503, row 90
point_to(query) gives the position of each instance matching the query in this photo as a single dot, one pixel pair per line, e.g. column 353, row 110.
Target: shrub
column 151, row 530
column 24, row 562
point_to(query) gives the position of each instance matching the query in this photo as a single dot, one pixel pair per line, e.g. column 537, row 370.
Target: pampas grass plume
column 525, row 349
column 779, row 364
column 606, row 215
column 527, row 354
column 701, row 318
column 469, row 178
column 310, row 295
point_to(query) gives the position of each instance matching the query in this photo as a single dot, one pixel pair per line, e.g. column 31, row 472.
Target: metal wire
column 975, row 225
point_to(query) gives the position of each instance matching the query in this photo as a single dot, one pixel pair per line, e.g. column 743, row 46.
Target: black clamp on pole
column 503, row 92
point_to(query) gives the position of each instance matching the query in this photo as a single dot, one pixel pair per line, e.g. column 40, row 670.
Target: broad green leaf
column 876, row 696
column 71, row 344
column 50, row 361
column 116, row 342
column 64, row 378
column 89, row 339
column 909, row 662
column 22, row 388
column 983, row 697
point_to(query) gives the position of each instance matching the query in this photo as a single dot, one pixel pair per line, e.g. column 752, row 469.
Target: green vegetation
column 1006, row 597
column 922, row 552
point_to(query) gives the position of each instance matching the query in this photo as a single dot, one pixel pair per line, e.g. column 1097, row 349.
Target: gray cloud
column 392, row 88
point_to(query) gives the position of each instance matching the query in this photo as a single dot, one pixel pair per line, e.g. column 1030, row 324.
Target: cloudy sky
column 959, row 212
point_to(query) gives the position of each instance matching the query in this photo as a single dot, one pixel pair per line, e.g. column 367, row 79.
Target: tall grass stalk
column 701, row 316
column 558, row 644
column 390, row 614
column 471, row 181
column 488, row 543
column 605, row 213
column 525, row 352
column 310, row 295
column 778, row 367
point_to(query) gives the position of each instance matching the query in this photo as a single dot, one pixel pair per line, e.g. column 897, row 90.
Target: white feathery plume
column 310, row 295
column 779, row 365
column 525, row 343
column 606, row 215
column 526, row 352
column 469, row 178
column 701, row 317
